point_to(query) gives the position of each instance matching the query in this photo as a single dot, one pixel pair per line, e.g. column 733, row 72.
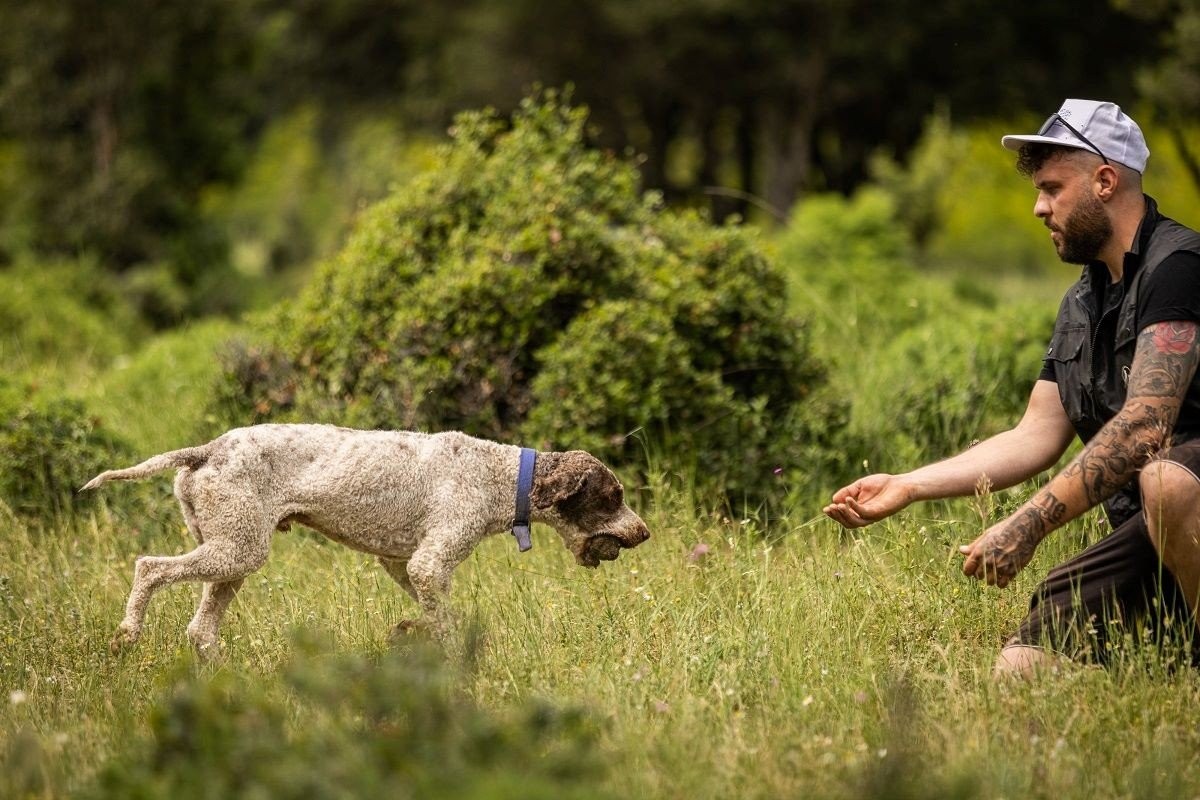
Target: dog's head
column 583, row 500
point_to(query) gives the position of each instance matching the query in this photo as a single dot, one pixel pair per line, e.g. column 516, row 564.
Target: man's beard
column 1084, row 232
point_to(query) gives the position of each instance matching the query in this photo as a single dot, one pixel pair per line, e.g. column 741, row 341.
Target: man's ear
column 1106, row 179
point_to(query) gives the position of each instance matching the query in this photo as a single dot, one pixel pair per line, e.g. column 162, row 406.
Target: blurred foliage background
column 714, row 236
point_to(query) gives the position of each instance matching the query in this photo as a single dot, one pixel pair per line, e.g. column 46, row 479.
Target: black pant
column 1118, row 587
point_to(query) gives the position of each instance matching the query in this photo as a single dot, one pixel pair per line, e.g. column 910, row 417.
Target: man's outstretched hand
column 868, row 500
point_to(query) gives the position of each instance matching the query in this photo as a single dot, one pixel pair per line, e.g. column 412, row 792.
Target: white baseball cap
column 1098, row 127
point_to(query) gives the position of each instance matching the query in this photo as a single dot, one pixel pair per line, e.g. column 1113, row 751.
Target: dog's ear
column 558, row 477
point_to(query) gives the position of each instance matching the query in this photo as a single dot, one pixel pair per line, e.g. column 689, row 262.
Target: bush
column 396, row 726
column 527, row 290
column 62, row 312
column 928, row 364
column 157, row 398
column 49, row 447
column 849, row 261
column 952, row 381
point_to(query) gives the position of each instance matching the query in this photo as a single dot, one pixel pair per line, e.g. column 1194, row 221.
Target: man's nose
column 1041, row 208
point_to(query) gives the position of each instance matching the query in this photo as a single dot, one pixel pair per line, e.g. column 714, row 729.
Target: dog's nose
column 640, row 534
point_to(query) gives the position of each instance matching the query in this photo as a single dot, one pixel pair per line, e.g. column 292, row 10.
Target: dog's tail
column 187, row 457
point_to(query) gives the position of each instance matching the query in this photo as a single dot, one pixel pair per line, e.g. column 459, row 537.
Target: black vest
column 1078, row 354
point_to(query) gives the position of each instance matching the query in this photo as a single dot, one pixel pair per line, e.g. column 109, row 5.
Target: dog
column 419, row 502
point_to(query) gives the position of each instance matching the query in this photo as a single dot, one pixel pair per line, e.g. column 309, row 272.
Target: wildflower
column 17, row 697
column 698, row 553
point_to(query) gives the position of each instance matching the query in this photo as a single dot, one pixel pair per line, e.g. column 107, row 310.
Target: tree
column 1173, row 83
column 777, row 97
column 124, row 111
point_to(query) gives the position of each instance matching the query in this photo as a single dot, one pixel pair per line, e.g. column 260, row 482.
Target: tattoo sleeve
column 1164, row 363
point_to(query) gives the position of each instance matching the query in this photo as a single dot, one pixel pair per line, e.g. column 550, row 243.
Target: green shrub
column 526, row 289
column 951, row 381
column 928, row 363
column 307, row 178
column 49, row 447
column 394, row 726
column 850, row 264
column 62, row 313
column 918, row 188
column 157, row 399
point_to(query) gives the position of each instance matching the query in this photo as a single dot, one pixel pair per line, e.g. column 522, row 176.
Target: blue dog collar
column 520, row 527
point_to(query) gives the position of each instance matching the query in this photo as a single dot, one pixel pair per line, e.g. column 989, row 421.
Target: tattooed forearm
column 1052, row 509
column 1164, row 364
column 1030, row 524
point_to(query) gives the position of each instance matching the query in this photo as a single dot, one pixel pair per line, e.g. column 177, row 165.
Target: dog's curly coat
column 419, row 502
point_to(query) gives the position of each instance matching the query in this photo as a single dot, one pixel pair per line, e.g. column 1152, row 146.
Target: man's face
column 1078, row 222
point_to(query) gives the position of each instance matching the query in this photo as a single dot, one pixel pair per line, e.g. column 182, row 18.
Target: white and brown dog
column 419, row 502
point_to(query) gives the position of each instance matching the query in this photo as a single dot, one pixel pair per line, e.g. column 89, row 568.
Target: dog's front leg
column 429, row 572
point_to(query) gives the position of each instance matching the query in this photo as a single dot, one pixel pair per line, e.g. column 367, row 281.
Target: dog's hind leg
column 182, row 494
column 214, row 597
column 228, row 554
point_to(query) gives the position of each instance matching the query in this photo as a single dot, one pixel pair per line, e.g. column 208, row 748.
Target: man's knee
column 1023, row 661
column 1170, row 495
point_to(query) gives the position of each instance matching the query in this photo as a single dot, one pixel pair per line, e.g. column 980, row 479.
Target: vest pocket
column 1065, row 354
column 1067, row 342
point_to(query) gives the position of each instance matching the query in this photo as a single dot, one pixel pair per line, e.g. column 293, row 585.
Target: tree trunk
column 789, row 129
column 1189, row 158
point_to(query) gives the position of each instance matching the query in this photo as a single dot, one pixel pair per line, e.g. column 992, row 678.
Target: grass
column 794, row 661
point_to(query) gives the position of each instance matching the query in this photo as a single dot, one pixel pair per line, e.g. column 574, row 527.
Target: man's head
column 1086, row 163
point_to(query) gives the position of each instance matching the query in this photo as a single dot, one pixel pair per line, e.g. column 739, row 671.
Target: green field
column 793, row 660
column 755, row 651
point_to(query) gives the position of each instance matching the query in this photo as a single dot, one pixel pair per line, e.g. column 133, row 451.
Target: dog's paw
column 209, row 651
column 123, row 639
column 406, row 629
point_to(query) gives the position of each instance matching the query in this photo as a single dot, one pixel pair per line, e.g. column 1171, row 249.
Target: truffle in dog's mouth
column 600, row 548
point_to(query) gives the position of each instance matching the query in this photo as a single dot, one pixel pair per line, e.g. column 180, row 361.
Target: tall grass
column 791, row 661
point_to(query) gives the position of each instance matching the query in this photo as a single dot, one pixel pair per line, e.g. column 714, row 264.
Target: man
column 1120, row 373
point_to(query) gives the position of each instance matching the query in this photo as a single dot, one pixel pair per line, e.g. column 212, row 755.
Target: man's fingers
column 845, row 516
column 859, row 510
column 980, row 569
column 972, row 563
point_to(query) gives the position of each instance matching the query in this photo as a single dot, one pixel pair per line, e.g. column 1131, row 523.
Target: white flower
column 16, row 697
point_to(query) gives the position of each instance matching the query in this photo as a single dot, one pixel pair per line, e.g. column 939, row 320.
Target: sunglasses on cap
column 1056, row 118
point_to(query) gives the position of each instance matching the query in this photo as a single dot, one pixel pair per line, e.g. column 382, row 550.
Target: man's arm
column 1164, row 364
column 1006, row 459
